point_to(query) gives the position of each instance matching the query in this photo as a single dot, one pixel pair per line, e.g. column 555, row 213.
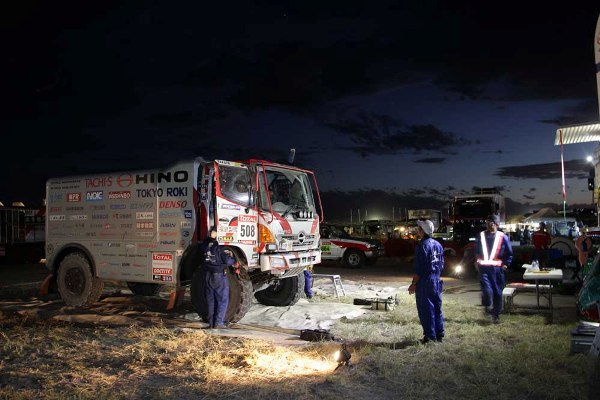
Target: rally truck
column 142, row 228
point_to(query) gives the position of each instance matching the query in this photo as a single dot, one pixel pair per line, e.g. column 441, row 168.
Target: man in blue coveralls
column 215, row 262
column 426, row 283
column 494, row 255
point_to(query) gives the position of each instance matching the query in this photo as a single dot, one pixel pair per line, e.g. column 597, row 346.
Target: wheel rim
column 353, row 259
column 75, row 281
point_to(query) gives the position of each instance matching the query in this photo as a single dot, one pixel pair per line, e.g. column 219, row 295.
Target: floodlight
column 342, row 356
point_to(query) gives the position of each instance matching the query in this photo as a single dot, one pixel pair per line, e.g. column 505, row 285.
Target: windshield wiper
column 289, row 210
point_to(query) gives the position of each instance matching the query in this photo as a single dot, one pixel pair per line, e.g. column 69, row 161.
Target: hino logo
column 177, row 176
column 301, row 237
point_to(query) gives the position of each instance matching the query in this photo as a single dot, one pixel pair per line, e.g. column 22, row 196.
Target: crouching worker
column 426, row 283
column 215, row 263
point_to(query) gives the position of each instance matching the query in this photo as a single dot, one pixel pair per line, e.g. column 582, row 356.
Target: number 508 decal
column 247, row 231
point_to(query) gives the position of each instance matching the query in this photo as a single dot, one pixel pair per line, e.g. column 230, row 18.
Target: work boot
column 220, row 326
column 496, row 320
column 426, row 340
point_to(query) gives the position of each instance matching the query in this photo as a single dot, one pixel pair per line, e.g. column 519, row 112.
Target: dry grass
column 522, row 358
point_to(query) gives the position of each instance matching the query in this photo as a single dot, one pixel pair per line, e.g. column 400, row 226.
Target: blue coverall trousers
column 491, row 279
column 217, row 297
column 308, row 284
column 428, row 294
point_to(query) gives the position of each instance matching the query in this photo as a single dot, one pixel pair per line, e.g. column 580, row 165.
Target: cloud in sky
column 577, row 169
column 431, row 160
column 373, row 133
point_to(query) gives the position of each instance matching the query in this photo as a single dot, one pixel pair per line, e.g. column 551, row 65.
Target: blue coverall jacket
column 429, row 263
column 491, row 277
column 214, row 265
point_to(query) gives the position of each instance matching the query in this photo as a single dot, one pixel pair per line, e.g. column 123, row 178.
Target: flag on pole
column 597, row 58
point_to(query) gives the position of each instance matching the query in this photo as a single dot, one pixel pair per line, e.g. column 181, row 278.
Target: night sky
column 393, row 104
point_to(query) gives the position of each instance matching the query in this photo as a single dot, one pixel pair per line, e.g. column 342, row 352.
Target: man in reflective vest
column 494, row 255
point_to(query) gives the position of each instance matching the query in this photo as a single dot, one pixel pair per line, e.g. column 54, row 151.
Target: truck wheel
column 76, row 284
column 144, row 289
column 240, row 296
column 354, row 258
column 282, row 292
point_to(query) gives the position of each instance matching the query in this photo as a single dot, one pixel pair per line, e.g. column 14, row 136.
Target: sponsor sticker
column 97, row 195
column 187, row 214
column 172, row 204
column 144, row 215
column 73, row 197
column 186, row 224
column 162, row 278
column 246, row 229
column 57, row 218
column 144, row 225
column 230, row 207
column 162, row 271
column 125, row 180
column 142, row 206
column 78, row 217
column 162, row 264
column 120, row 195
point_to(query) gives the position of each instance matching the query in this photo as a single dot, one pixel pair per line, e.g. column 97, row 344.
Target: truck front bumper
column 279, row 263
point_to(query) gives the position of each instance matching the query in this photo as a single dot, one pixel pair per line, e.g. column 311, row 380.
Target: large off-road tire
column 354, row 258
column 144, row 289
column 282, row 292
column 76, row 283
column 240, row 296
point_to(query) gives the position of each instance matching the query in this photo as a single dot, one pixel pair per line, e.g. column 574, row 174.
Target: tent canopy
column 578, row 134
column 542, row 214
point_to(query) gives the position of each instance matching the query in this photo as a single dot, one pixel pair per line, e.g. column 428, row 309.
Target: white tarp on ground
column 321, row 314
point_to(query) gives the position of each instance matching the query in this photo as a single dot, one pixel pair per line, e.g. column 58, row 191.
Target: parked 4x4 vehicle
column 353, row 251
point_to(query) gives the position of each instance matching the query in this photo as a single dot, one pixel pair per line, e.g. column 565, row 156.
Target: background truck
column 21, row 234
column 143, row 227
column 468, row 213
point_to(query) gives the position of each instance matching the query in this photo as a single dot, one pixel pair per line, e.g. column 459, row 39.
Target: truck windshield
column 234, row 183
column 473, row 209
column 288, row 190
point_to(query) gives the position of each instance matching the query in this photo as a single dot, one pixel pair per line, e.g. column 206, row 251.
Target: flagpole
column 562, row 168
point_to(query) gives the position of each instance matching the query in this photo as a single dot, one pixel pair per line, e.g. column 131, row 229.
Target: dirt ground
column 387, row 269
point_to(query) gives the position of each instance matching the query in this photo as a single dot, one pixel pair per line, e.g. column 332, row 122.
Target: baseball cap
column 427, row 226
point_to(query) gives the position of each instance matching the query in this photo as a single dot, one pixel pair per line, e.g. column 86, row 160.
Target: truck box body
column 143, row 226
